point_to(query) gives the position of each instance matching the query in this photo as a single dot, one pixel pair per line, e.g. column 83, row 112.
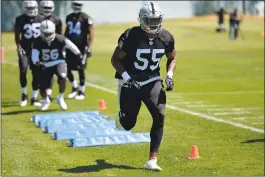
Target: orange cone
column 194, row 154
column 262, row 33
column 102, row 105
column 2, row 54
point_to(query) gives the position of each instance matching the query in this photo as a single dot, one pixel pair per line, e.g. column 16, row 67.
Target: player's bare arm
column 116, row 58
column 171, row 66
column 91, row 35
column 17, row 38
column 171, row 62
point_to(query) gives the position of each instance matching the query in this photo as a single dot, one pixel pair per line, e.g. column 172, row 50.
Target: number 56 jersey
column 144, row 54
column 49, row 52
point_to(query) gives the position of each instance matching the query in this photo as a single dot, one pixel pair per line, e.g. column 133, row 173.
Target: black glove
column 132, row 84
column 88, row 52
column 169, row 83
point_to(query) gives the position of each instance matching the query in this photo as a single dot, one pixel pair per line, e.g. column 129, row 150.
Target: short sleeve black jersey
column 57, row 21
column 77, row 29
column 143, row 54
column 52, row 51
column 29, row 29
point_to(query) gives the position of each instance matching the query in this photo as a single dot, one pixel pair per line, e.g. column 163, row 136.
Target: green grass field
column 214, row 77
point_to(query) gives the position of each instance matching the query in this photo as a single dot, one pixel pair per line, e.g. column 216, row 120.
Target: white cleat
column 24, row 100
column 23, row 103
column 152, row 165
column 73, row 93
column 80, row 96
column 62, row 103
column 45, row 105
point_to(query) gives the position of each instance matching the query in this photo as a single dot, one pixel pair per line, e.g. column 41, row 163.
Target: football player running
column 136, row 61
column 46, row 10
column 80, row 31
column 27, row 28
column 47, row 54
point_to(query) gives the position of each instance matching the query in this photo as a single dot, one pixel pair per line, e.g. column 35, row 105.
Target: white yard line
column 201, row 105
column 233, row 109
column 219, row 93
column 258, row 123
column 204, row 116
column 230, row 113
column 243, row 118
column 188, row 102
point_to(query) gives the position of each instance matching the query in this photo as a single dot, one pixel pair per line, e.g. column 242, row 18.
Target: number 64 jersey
column 143, row 54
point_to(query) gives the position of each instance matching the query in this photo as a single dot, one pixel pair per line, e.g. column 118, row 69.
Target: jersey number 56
column 48, row 54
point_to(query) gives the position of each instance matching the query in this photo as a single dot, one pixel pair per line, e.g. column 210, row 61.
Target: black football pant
column 47, row 75
column 24, row 63
column 74, row 64
column 154, row 97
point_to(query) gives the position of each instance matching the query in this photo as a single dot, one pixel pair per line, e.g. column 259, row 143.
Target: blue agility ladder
column 110, row 140
column 86, row 128
column 88, row 133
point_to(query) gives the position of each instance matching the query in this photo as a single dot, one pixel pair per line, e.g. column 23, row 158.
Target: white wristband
column 125, row 76
column 170, row 74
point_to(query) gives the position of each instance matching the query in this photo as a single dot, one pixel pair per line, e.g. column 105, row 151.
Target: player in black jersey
column 47, row 54
column 46, row 10
column 27, row 28
column 80, row 31
column 136, row 60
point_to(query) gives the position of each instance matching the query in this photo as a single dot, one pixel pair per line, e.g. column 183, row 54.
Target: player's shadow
column 25, row 111
column 254, row 141
column 8, row 104
column 101, row 165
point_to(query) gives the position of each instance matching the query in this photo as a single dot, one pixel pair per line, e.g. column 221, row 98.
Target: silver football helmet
column 77, row 6
column 47, row 30
column 151, row 18
column 30, row 8
column 46, row 8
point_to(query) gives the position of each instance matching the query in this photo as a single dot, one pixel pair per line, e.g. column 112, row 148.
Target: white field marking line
column 176, row 100
column 204, row 116
column 233, row 109
column 257, row 123
column 230, row 113
column 201, row 105
column 220, row 93
column 243, row 118
column 189, row 102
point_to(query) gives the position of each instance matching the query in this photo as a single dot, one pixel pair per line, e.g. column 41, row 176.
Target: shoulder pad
column 165, row 36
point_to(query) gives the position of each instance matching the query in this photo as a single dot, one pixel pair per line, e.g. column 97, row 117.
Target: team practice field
column 217, row 104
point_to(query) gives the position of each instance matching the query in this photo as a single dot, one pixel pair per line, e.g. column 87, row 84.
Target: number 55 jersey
column 144, row 54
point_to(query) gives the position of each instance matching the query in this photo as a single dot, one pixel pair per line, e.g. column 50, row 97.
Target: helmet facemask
column 151, row 25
